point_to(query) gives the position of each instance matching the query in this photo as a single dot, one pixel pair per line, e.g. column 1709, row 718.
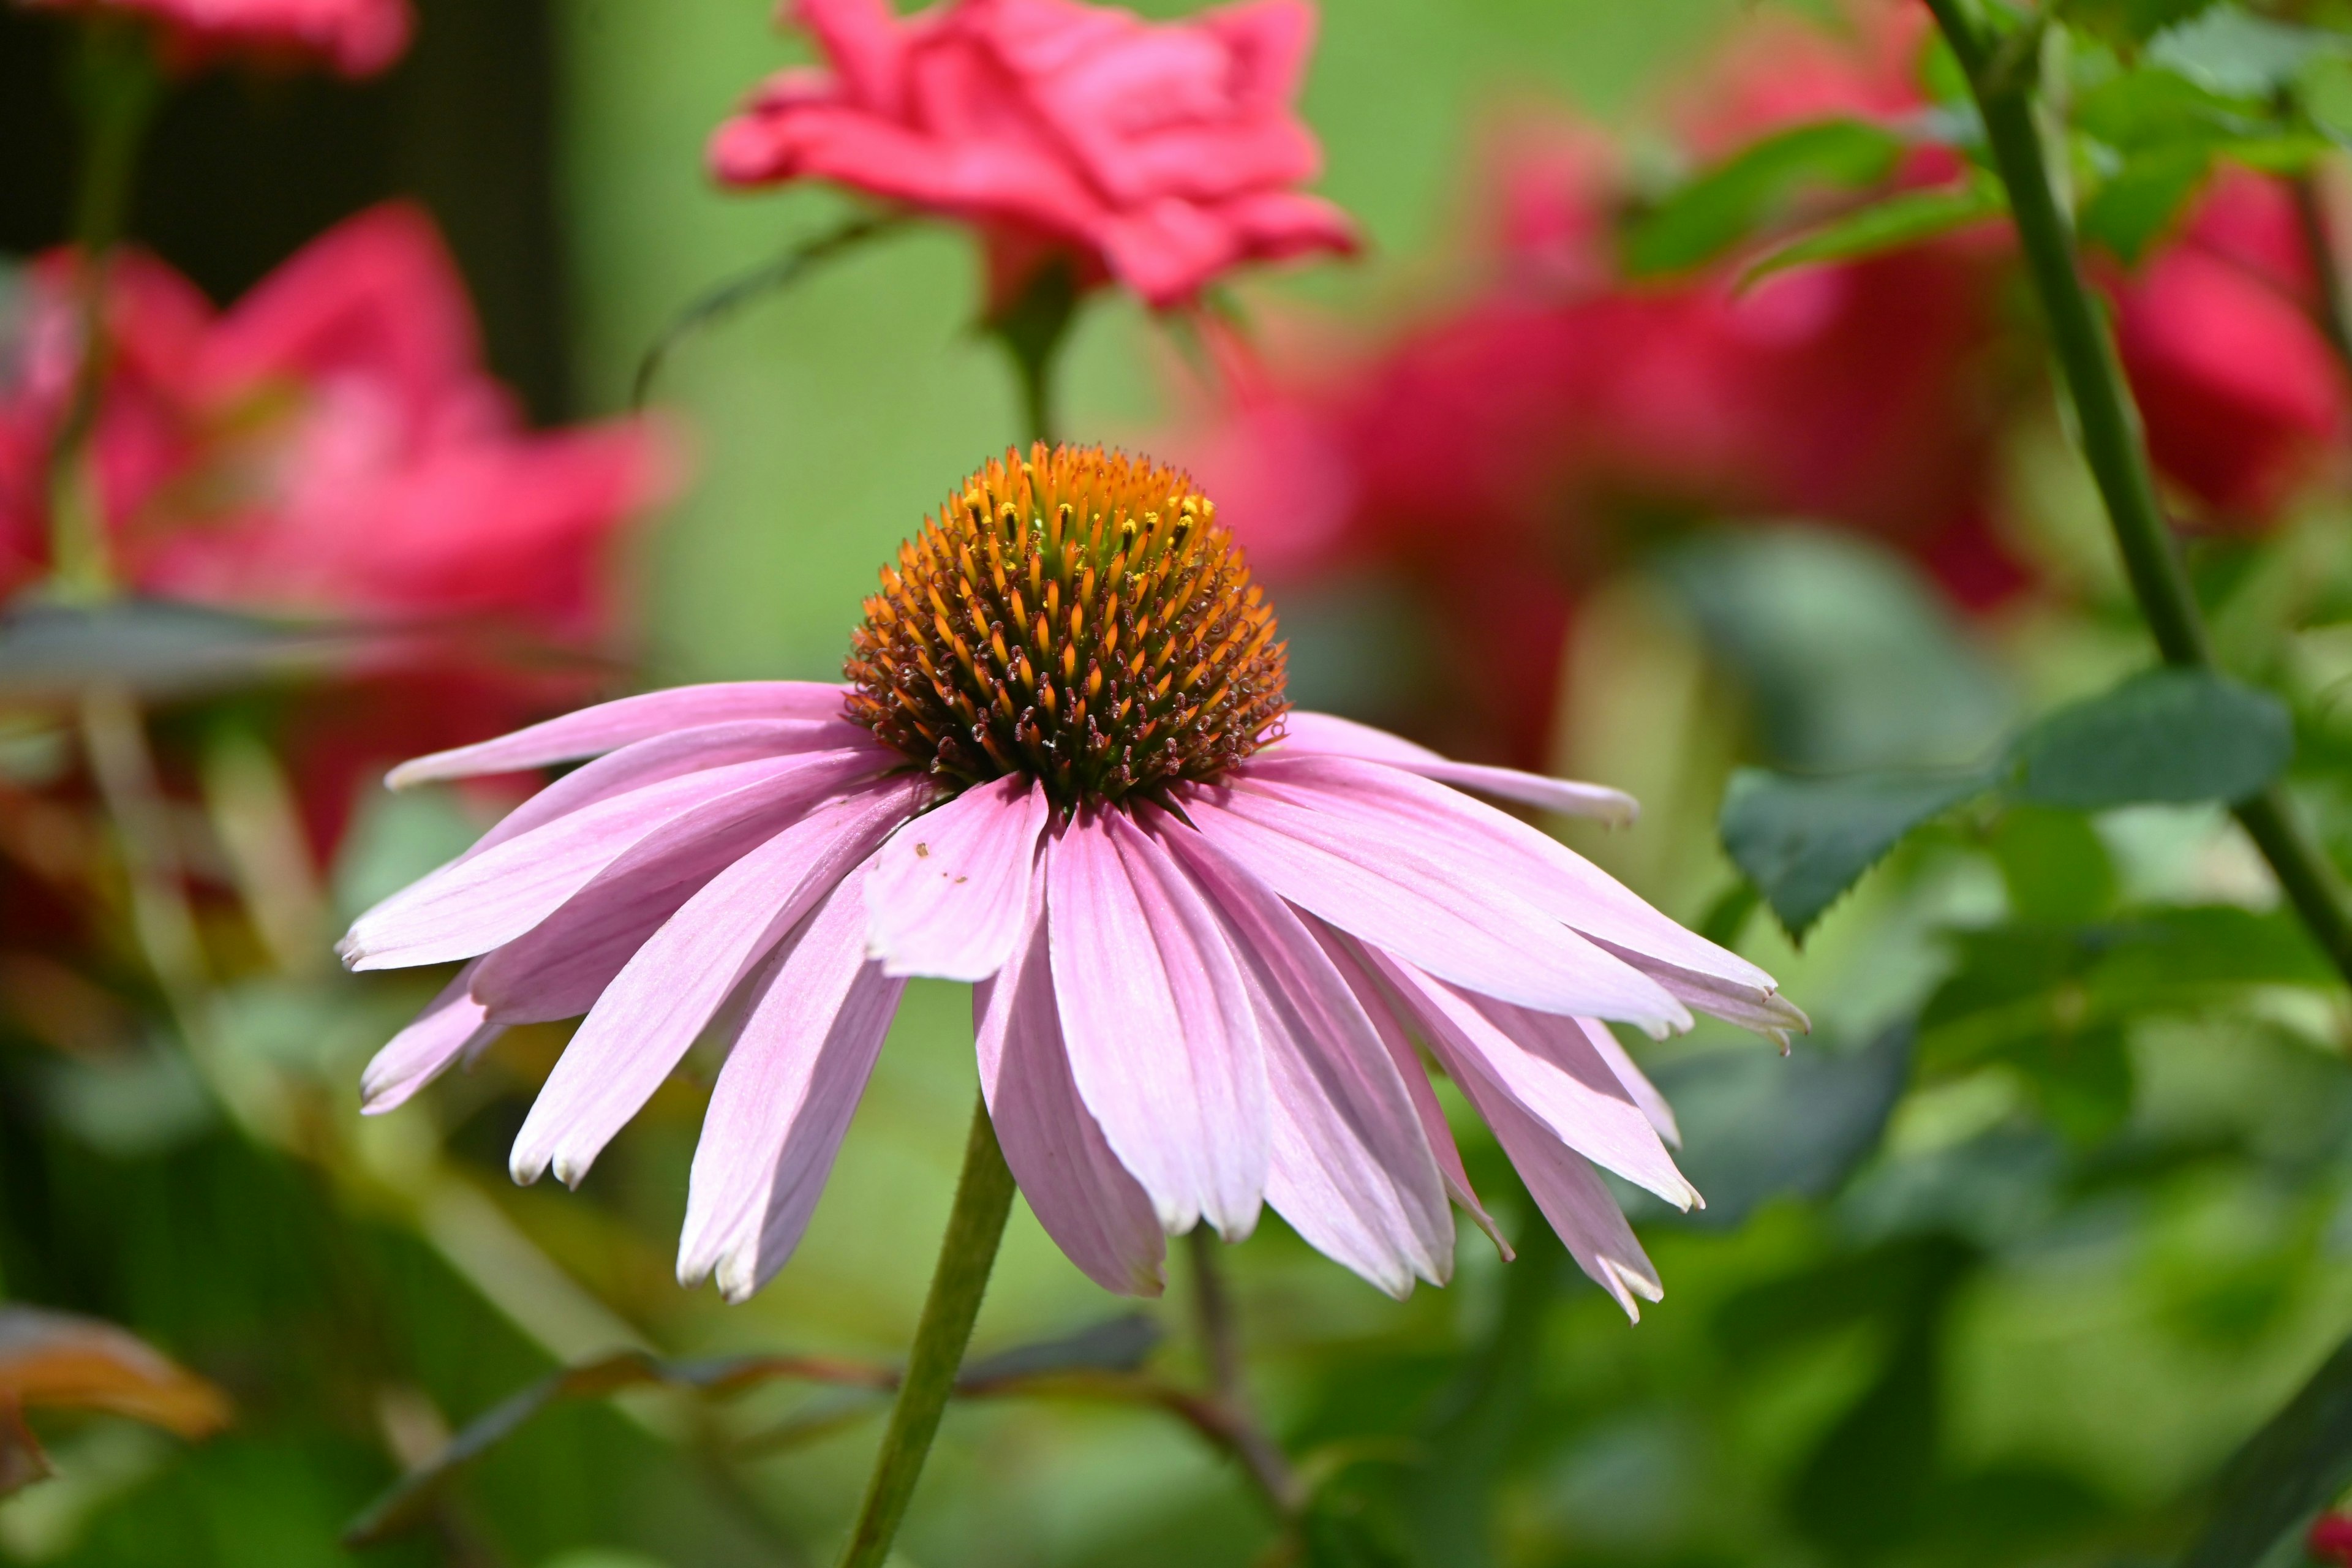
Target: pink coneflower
column 1211, row 938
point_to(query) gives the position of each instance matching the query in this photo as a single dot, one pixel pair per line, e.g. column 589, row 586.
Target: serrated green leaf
column 1717, row 210
column 1803, row 842
column 1894, row 223
column 2164, row 736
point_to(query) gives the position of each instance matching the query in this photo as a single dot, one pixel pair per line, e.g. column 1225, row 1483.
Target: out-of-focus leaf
column 1803, row 842
column 2228, row 49
column 2150, row 110
column 1118, row 1345
column 1849, row 658
column 2053, row 864
column 1756, row 1127
column 2168, row 735
column 2128, row 22
column 1900, row 221
column 2297, row 1465
column 1723, row 206
column 161, row 650
column 22, row 1458
column 2140, row 200
column 2015, row 986
column 1337, row 1532
column 58, row 1359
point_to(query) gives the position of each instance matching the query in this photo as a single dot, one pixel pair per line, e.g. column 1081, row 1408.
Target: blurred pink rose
column 332, row 445
column 2243, row 400
column 1503, row 453
column 1159, row 155
column 356, row 37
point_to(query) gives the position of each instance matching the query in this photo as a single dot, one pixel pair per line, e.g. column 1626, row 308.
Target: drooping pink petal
column 1327, row 734
column 1099, row 1215
column 642, row 1025
column 1548, row 1068
column 474, row 905
column 608, row 726
column 946, row 894
column 1501, row 851
column 672, row 754
column 450, row 1029
column 1768, row 1013
column 1637, row 1083
column 1351, row 1167
column 1572, row 1197
column 1377, row 1008
column 792, row 1077
column 1398, row 888
column 1161, row 1040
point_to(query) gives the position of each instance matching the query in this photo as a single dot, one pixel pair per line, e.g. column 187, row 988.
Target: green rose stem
column 115, row 89
column 2334, row 312
column 2001, row 78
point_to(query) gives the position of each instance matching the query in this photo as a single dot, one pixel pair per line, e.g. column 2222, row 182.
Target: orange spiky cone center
column 1079, row 618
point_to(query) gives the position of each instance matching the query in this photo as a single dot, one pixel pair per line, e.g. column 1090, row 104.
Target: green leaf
column 1721, row 208
column 2144, row 109
column 2230, row 50
column 1803, row 842
column 2053, row 864
column 160, row 650
column 2292, row 1468
column 2166, row 735
column 1757, row 1127
column 2128, row 22
column 1900, row 221
column 2136, row 203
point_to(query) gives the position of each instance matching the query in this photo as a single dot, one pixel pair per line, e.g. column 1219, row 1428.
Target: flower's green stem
column 2001, row 78
column 983, row 1199
column 116, row 91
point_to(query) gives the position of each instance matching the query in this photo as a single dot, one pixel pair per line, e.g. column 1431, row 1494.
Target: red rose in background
column 1502, row 455
column 330, row 447
column 356, row 37
column 2243, row 400
column 1159, row 155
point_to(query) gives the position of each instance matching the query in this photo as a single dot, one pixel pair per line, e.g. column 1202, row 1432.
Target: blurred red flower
column 1159, row 155
column 329, row 447
column 356, row 37
column 1508, row 451
column 2244, row 399
column 2330, row 1539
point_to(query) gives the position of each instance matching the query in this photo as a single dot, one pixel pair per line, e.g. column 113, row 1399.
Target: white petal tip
column 571, row 1171
column 525, row 1168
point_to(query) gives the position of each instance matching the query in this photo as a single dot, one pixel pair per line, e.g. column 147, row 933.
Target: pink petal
column 650, row 1016
column 1351, row 1168
column 670, row 756
column 609, row 726
column 1400, row 887
column 1571, row 1195
column 1637, row 1083
column 1548, row 1068
column 450, row 1029
column 474, row 905
column 1326, row 734
column 782, row 1103
column 946, row 894
column 1500, row 850
column 1161, row 1037
column 1098, row 1214
column 1377, row 1008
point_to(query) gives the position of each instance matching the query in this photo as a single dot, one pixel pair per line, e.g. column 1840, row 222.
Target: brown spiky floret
column 1081, row 618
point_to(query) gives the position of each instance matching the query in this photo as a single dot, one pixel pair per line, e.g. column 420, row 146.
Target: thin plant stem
column 975, row 1225
column 1212, row 1314
column 2001, row 78
column 2334, row 312
column 116, row 91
